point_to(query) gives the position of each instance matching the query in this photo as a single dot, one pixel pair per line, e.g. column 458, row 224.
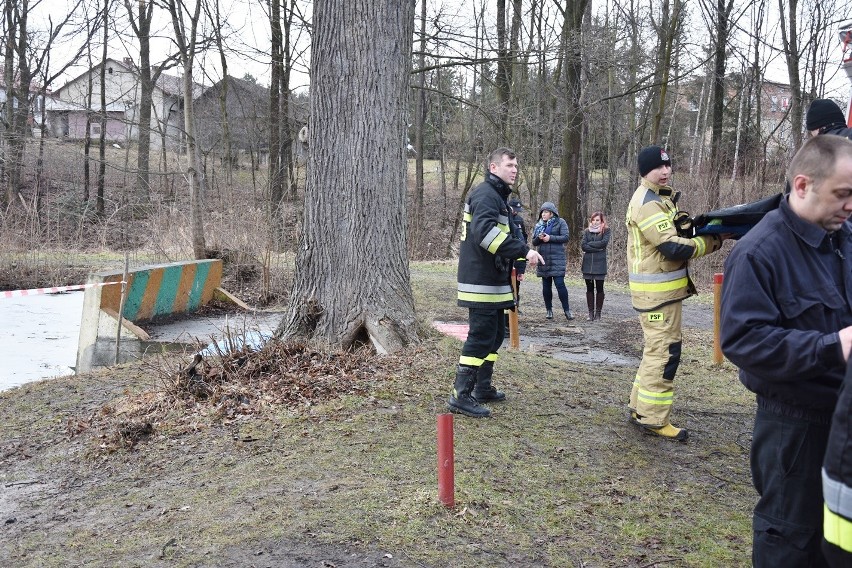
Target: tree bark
column 352, row 284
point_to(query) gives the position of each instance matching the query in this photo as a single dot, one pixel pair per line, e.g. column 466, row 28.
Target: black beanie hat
column 651, row 158
column 823, row 112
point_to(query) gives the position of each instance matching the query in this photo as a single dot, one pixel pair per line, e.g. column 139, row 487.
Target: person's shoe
column 461, row 400
column 484, row 391
column 568, row 315
column 590, row 302
column 668, row 431
column 549, row 314
column 634, row 418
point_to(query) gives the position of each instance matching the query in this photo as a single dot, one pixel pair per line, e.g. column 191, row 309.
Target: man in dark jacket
column 787, row 324
column 486, row 255
column 825, row 117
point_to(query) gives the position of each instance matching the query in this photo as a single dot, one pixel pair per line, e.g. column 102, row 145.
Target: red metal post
column 446, row 461
column 718, row 279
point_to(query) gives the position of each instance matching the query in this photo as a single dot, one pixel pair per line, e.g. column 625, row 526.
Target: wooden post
column 121, row 307
column 514, row 340
column 718, row 278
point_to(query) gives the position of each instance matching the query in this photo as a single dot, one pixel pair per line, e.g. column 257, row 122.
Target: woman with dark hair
column 594, row 243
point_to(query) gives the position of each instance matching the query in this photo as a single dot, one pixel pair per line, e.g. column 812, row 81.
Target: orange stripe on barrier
column 214, row 280
column 149, row 298
column 187, row 278
column 111, row 295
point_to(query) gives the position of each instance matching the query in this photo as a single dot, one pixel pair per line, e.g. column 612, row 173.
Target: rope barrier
column 53, row 290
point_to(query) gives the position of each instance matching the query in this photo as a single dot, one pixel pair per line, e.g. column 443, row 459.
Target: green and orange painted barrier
column 150, row 291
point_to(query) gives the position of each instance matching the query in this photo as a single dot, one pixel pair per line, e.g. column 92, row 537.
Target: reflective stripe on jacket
column 656, row 255
column 488, row 248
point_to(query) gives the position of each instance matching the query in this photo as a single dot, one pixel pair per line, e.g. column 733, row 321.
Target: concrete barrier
column 151, row 291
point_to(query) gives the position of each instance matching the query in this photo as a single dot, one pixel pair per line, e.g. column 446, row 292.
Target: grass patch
column 557, row 477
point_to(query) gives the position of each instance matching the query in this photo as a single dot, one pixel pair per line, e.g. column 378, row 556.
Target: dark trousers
column 484, row 335
column 547, row 283
column 592, row 285
column 786, row 464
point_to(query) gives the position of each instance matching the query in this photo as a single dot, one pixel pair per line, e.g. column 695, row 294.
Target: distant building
column 76, row 99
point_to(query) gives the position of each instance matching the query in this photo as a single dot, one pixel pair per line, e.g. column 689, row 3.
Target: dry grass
column 346, row 461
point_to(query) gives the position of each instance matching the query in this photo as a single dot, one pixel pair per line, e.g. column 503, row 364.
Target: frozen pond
column 40, row 335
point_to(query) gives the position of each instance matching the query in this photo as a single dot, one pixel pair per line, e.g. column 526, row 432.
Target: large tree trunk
column 569, row 177
column 352, row 281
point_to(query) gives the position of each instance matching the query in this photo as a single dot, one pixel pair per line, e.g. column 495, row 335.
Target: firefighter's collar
column 661, row 190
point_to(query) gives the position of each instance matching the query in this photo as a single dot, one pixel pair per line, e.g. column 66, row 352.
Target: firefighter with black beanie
column 657, row 259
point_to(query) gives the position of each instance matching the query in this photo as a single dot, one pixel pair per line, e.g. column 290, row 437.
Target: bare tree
column 186, row 40
column 569, row 178
column 352, row 280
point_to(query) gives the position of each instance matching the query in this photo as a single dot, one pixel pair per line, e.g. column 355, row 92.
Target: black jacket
column 837, row 130
column 786, row 293
column 519, row 229
column 594, row 246
column 488, row 248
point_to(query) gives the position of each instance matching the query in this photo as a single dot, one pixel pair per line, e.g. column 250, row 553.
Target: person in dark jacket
column 550, row 235
column 786, row 320
column 486, row 254
column 593, row 245
column 825, row 117
column 519, row 230
column 837, row 481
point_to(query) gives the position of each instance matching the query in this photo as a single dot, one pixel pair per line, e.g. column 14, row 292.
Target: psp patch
column 655, row 317
column 663, row 226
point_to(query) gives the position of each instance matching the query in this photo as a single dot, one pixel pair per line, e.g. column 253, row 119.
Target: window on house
column 109, row 70
column 773, row 102
column 96, row 129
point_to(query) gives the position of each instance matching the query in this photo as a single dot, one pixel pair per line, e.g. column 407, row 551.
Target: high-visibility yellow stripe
column 657, row 398
column 495, row 244
column 492, row 357
column 700, row 247
column 467, row 217
column 653, row 220
column 637, row 248
column 658, row 286
column 471, row 361
column 486, row 298
column 837, row 529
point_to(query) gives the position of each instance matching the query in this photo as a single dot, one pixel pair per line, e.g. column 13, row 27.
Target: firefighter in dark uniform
column 486, row 255
column 657, row 258
column 787, row 324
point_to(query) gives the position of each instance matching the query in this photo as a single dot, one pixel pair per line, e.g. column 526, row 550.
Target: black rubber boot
column 461, row 400
column 598, row 305
column 590, row 302
column 484, row 390
column 549, row 314
column 568, row 315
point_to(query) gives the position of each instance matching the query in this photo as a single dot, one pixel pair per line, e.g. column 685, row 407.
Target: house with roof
column 71, row 103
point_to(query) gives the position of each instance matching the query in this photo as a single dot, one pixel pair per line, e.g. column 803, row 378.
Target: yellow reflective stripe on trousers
column 492, row 357
column 659, row 286
column 658, row 398
column 836, row 529
column 471, row 361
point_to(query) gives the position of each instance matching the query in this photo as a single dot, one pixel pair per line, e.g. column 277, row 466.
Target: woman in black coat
column 594, row 243
column 550, row 235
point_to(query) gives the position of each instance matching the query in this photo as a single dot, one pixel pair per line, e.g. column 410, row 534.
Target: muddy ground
column 70, row 497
